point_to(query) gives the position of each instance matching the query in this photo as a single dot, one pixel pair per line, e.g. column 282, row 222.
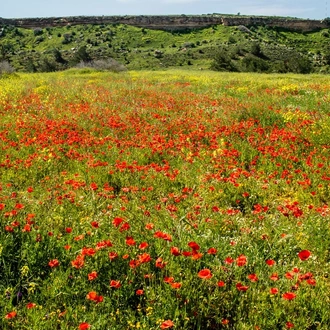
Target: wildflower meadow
column 164, row 200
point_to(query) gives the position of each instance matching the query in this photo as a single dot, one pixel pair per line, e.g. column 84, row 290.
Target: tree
column 81, row 56
column 58, row 56
column 222, row 61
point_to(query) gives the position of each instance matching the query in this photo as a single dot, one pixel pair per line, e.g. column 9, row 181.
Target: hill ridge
column 172, row 22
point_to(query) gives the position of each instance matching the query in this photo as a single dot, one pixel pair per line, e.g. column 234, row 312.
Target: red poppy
column 113, row 255
column 304, row 255
column 84, row 326
column 289, row 325
column 176, row 285
column 270, row 262
column 115, row 284
column 175, row 251
column 10, row 315
column 221, row 284
column 253, row 277
column 139, row 292
column 229, row 260
column 212, row 251
column 94, row 297
column 289, row 295
column 241, row 287
column 168, row 279
column 311, row 281
column 92, row 276
column 289, row 275
column 78, row 262
column 124, row 227
column 144, row 258
column 241, row 260
column 195, row 255
column 167, row 324
column 149, row 226
column 274, row 290
column 117, row 221
column 30, row 305
column 95, row 224
column 88, row 251
column 130, row 241
column 160, row 263
column 143, row 245
column 53, row 263
column 194, row 246
column 205, row 274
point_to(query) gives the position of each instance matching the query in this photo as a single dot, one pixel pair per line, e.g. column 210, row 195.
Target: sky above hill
column 315, row 9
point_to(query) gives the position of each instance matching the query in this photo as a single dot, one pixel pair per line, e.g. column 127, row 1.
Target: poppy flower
column 311, row 281
column 139, row 292
column 143, row 245
column 130, row 241
column 10, row 315
column 113, row 255
column 167, row 324
column 88, row 251
column 149, row 226
column 159, row 263
column 229, row 260
column 84, row 326
column 53, row 263
column 144, row 258
column 95, row 224
column 92, row 276
column 175, row 251
column 30, row 305
column 304, row 255
column 115, row 284
column 274, row 290
column 205, row 274
column 241, row 260
column 176, row 285
column 195, row 255
column 241, row 287
column 78, row 262
column 212, row 251
column 289, row 325
column 94, row 296
column 168, row 279
column 194, row 246
column 270, row 262
column 221, row 284
column 289, row 295
column 253, row 277
column 117, row 221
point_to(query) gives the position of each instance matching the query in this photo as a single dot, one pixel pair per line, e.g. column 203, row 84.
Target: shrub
column 222, row 61
column 6, row 68
column 253, row 63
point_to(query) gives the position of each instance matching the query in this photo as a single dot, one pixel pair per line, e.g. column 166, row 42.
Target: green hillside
column 233, row 48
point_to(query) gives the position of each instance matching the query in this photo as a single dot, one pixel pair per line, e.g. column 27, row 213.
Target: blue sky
column 313, row 9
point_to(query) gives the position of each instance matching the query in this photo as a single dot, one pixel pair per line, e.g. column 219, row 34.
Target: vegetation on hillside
column 261, row 49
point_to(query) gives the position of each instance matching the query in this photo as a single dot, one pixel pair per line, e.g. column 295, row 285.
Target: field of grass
column 164, row 200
